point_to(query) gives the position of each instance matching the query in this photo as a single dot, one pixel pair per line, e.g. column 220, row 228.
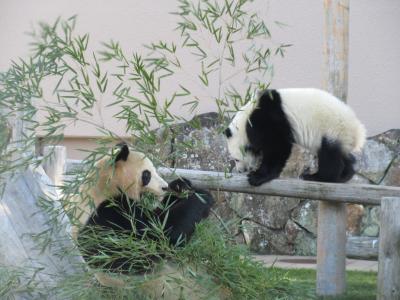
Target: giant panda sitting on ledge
column 261, row 135
column 116, row 209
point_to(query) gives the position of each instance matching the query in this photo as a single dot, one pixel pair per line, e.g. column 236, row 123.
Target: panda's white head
column 238, row 143
column 129, row 172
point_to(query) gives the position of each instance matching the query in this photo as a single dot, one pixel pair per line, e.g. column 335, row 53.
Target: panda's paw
column 309, row 177
column 256, row 178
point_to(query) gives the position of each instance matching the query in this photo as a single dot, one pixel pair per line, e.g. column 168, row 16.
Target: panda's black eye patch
column 146, row 177
column 228, row 132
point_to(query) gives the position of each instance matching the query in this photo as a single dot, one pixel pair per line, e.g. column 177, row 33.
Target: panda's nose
column 164, row 188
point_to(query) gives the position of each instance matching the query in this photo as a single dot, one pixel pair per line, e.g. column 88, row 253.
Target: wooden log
column 331, row 238
column 362, row 247
column 332, row 192
column 389, row 250
column 55, row 162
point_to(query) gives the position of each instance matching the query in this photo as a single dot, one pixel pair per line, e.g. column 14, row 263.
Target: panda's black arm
column 185, row 214
column 274, row 157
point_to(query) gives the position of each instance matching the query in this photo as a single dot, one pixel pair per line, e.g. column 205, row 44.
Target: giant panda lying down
column 261, row 135
column 121, row 179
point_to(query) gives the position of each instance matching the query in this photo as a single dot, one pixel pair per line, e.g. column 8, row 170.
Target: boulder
column 269, row 211
column 375, row 160
column 303, row 242
column 263, row 240
column 355, row 213
column 392, row 176
column 306, row 216
column 381, row 165
column 370, row 222
column 390, row 138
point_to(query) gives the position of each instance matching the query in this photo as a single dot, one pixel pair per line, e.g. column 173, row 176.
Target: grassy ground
column 212, row 260
column 360, row 285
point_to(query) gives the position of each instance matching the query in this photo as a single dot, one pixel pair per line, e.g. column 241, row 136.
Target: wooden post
column 336, row 41
column 331, row 249
column 389, row 250
column 331, row 238
column 55, row 164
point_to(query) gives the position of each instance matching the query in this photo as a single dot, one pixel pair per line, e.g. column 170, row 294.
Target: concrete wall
column 374, row 58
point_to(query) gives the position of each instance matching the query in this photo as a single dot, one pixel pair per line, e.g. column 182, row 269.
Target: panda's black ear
column 122, row 153
column 228, row 132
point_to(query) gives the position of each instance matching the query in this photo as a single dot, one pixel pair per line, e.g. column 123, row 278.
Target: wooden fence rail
column 332, row 192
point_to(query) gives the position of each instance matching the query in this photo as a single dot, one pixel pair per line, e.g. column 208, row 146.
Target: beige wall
column 374, row 58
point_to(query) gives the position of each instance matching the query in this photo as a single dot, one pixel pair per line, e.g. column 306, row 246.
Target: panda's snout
column 164, row 186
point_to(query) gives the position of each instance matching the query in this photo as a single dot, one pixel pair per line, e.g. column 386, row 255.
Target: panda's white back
column 314, row 114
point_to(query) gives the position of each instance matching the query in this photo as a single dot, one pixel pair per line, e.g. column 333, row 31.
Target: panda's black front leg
column 261, row 176
column 271, row 166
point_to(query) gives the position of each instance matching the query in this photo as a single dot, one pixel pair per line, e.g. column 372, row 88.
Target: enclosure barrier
column 330, row 263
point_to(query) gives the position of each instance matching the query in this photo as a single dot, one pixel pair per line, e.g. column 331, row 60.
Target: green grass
column 226, row 265
column 360, row 285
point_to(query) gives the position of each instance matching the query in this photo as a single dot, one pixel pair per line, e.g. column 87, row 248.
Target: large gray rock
column 304, row 242
column 305, row 215
column 392, row 176
column 382, row 166
column 355, row 213
column 370, row 222
column 390, row 138
column 264, row 240
column 299, row 160
column 375, row 160
column 272, row 212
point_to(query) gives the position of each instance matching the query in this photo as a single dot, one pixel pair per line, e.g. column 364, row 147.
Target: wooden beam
column 389, row 250
column 333, row 192
column 362, row 247
column 331, row 237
